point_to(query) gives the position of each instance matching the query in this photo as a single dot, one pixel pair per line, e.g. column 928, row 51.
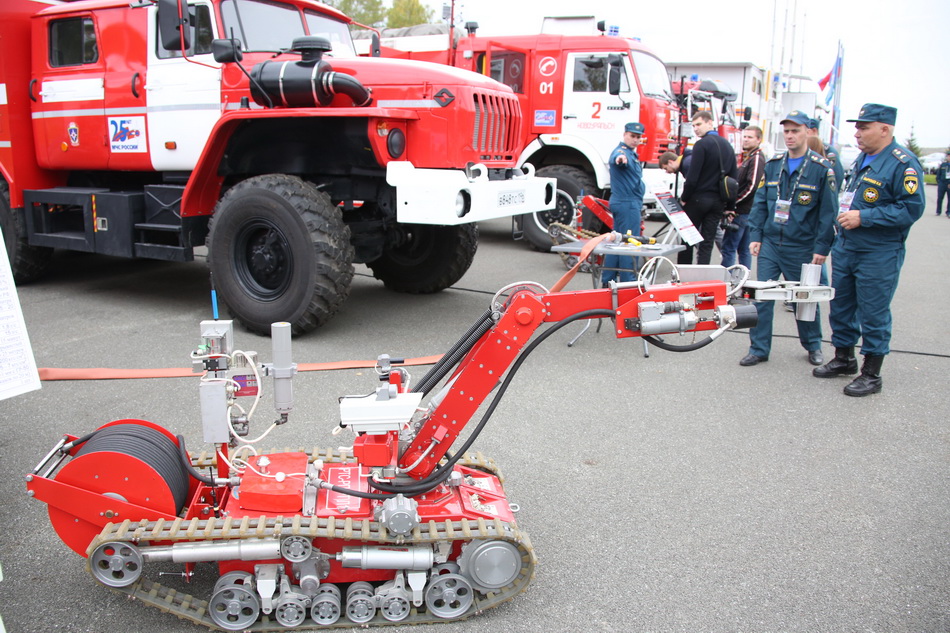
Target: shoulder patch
column 832, row 181
column 779, row 156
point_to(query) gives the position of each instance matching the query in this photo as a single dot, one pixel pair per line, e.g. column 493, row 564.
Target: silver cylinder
column 253, row 549
column 811, row 276
column 377, row 557
column 669, row 323
column 283, row 367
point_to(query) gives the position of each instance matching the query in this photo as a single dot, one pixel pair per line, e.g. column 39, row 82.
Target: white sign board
column 678, row 218
column 17, row 366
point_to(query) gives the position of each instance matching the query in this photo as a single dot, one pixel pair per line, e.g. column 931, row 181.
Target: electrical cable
column 186, row 462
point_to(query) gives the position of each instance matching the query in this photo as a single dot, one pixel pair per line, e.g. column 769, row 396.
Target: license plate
column 510, row 198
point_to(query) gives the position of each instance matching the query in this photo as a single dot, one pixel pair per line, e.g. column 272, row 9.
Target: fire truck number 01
column 546, row 87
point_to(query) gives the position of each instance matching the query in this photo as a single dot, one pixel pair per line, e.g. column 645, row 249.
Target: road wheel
column 430, row 259
column 278, row 250
column 27, row 262
column 571, row 181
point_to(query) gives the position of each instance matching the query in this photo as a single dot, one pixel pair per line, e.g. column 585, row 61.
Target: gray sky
column 897, row 52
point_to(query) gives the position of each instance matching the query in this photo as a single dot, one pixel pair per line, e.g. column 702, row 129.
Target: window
column 72, row 42
column 590, row 74
column 204, row 33
column 654, row 80
column 336, row 32
column 261, row 26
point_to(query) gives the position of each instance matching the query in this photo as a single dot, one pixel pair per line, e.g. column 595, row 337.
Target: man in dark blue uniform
column 943, row 179
column 791, row 223
column 626, row 198
column 881, row 199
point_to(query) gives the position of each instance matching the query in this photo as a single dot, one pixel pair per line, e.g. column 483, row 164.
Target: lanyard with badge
column 846, row 195
column 783, row 206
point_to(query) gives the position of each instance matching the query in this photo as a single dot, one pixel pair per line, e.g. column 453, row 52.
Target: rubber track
column 188, row 607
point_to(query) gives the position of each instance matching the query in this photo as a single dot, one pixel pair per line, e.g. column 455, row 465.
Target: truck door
column 68, row 93
column 184, row 95
column 591, row 113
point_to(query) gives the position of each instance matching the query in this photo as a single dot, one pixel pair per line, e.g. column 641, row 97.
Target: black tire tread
column 28, row 263
column 580, row 180
column 448, row 262
column 330, row 237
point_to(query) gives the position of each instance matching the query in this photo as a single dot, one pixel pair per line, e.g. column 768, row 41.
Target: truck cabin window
column 590, row 75
column 272, row 26
column 72, row 42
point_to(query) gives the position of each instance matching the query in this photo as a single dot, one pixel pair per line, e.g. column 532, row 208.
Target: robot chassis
column 394, row 529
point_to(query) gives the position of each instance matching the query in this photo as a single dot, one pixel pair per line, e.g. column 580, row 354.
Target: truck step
column 151, row 226
column 164, row 252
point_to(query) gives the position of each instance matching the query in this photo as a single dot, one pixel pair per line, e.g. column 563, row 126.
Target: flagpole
column 836, row 110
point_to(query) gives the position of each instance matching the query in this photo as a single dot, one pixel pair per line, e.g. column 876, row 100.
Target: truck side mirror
column 615, row 63
column 174, row 24
column 226, row 51
column 374, row 49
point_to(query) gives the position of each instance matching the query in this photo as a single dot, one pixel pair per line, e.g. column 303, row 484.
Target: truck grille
column 497, row 121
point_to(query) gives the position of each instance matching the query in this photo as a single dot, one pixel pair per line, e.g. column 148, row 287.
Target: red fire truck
column 145, row 130
column 576, row 92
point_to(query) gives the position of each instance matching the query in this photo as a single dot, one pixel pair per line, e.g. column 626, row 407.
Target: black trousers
column 705, row 212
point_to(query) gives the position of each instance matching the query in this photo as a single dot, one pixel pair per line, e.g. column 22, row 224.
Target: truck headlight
column 396, row 142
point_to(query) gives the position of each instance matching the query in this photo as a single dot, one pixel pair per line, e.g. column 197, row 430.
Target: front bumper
column 456, row 196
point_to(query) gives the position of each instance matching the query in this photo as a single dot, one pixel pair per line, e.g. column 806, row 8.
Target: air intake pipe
column 307, row 83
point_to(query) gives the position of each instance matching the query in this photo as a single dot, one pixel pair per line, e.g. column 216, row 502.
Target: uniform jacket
column 626, row 181
column 890, row 195
column 943, row 173
column 814, row 204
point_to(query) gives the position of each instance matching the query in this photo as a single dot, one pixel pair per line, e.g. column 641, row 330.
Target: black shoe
column 751, row 359
column 870, row 379
column 844, row 363
column 815, row 357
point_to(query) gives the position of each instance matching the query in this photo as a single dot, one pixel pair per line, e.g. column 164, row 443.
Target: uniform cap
column 813, row 124
column 796, row 116
column 634, row 128
column 876, row 113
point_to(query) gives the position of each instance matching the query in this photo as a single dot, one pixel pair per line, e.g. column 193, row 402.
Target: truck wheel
column 27, row 262
column 571, row 181
column 431, row 259
column 278, row 250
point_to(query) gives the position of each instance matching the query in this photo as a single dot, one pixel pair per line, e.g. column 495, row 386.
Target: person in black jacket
column 702, row 199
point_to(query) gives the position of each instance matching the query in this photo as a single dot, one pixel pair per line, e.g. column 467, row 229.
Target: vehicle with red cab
column 251, row 127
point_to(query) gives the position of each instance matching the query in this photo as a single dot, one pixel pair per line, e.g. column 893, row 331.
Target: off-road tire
column 278, row 250
column 28, row 263
column 571, row 181
column 431, row 259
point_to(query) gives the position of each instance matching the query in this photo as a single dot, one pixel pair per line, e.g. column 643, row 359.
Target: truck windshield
column 654, row 80
column 263, row 25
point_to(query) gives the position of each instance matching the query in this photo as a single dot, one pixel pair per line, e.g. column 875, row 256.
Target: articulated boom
column 636, row 311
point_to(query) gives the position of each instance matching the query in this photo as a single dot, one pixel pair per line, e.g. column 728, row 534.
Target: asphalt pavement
column 679, row 492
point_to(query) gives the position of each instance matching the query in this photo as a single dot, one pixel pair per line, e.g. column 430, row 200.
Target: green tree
column 911, row 143
column 408, row 13
column 368, row 12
